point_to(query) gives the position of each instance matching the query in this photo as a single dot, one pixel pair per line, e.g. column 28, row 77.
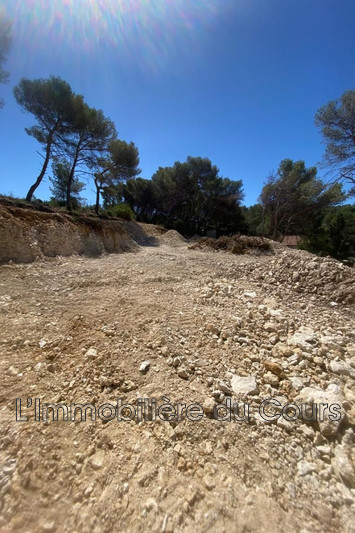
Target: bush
column 236, row 244
column 122, row 211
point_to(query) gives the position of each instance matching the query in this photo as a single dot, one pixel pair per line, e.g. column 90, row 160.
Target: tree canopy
column 61, row 168
column 332, row 232
column 51, row 102
column 86, row 140
column 188, row 196
column 293, row 195
column 120, row 164
column 68, row 128
column 336, row 121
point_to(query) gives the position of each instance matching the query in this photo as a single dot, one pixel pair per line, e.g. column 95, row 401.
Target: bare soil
column 77, row 329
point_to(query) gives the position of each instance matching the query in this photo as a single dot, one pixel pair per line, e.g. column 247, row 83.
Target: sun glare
column 145, row 31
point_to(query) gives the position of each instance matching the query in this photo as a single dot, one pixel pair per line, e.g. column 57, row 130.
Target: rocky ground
column 181, row 326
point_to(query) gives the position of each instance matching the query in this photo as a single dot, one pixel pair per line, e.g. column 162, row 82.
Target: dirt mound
column 165, row 236
column 172, row 238
column 237, row 244
column 301, row 272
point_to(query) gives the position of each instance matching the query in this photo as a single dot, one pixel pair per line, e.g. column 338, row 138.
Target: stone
column 325, row 450
column 332, row 395
column 296, row 383
column 209, row 482
column 88, row 491
column 182, row 373
column 342, row 467
column 305, row 338
column 284, row 424
column 308, row 431
column 275, row 368
column 208, row 405
column 250, row 294
column 91, row 353
column 342, row 369
column 271, row 379
column 128, row 386
column 151, row 505
column 224, row 388
column 305, row 468
column 49, row 527
column 12, row 371
column 346, row 493
column 144, row 367
column 97, row 460
column 213, row 329
column 244, row 385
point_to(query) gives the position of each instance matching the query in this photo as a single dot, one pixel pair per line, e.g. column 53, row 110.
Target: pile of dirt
column 173, row 238
column 236, row 244
column 301, row 272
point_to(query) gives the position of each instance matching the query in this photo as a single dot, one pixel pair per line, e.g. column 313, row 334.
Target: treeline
column 294, row 202
column 192, row 196
column 189, row 197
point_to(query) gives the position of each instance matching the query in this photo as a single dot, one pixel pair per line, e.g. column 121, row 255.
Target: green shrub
column 122, row 211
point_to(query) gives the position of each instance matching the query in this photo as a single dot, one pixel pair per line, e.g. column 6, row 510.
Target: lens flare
column 147, row 32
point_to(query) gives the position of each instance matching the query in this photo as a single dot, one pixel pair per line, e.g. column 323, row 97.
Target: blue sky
column 238, row 81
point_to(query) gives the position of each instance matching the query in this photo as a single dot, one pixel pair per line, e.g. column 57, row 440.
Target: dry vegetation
column 236, row 244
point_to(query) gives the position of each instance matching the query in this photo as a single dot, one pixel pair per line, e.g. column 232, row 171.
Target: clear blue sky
column 238, row 81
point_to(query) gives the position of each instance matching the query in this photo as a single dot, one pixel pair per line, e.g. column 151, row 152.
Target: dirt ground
column 77, row 330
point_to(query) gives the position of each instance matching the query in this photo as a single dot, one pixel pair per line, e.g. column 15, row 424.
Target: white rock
column 271, row 379
column 342, row 467
column 305, row 468
column 151, row 505
column 91, row 353
column 325, row 450
column 346, row 493
column 12, row 371
column 49, row 526
column 244, row 385
column 341, row 368
column 224, row 388
column 88, row 490
column 304, row 338
column 284, row 424
column 297, row 383
column 97, row 460
column 332, row 395
column 144, row 367
column 250, row 294
column 209, row 482
column 208, row 405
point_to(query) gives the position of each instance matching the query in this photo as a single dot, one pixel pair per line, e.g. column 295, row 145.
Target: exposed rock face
column 27, row 235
